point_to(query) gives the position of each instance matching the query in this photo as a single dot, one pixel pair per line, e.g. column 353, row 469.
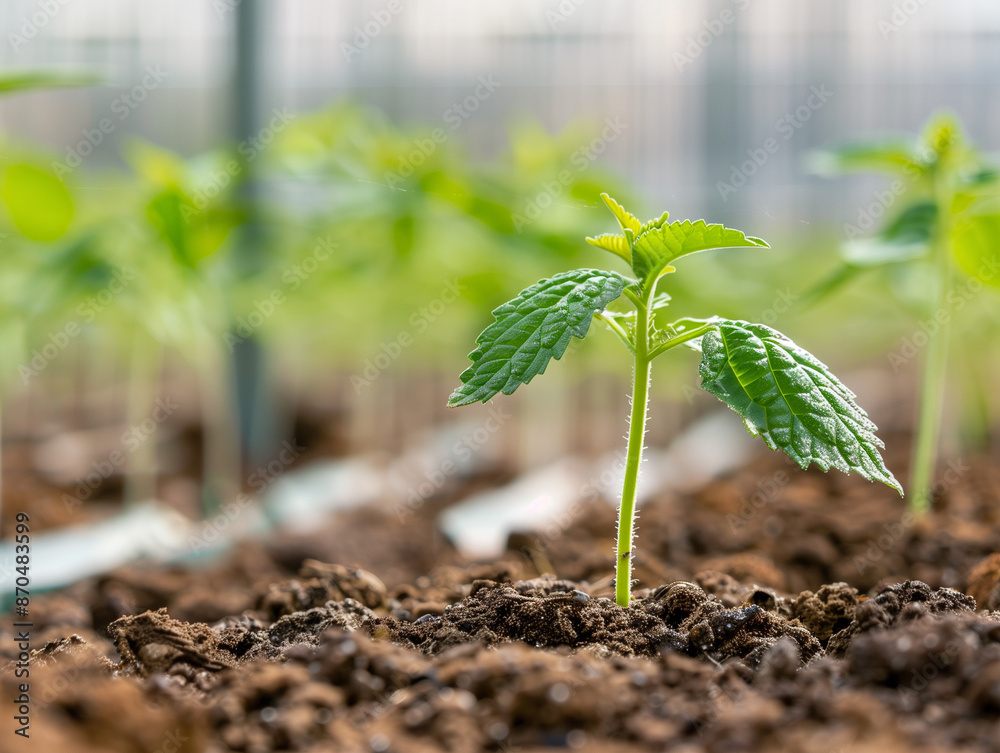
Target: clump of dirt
column 828, row 611
column 813, row 617
column 984, row 582
column 899, row 603
column 551, row 613
column 537, row 663
column 774, row 526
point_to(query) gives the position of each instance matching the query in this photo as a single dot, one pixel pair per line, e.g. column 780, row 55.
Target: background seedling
column 947, row 216
column 783, row 393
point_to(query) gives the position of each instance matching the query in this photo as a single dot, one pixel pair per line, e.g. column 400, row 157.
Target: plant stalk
column 636, row 437
column 221, row 461
column 935, row 366
column 143, row 389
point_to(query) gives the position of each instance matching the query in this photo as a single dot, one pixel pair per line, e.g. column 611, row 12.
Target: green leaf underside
column 616, row 244
column 791, row 400
column 533, row 328
column 626, row 219
column 656, row 247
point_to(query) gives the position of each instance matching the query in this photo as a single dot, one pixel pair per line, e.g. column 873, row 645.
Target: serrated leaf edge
column 836, row 384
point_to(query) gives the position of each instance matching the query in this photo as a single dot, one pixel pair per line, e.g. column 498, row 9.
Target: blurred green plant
column 349, row 223
column 783, row 393
column 942, row 214
column 39, row 208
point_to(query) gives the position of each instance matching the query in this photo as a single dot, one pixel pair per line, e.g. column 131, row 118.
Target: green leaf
column 943, row 135
column 165, row 213
column 791, row 400
column 159, row 166
column 627, row 220
column 616, row 244
column 38, row 202
column 878, row 252
column 16, row 81
column 892, row 156
column 532, row 328
column 657, row 246
column 916, row 223
column 192, row 235
column 976, row 247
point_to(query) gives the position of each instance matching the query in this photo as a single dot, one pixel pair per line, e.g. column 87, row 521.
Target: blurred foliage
column 368, row 230
column 909, row 209
column 939, row 213
column 364, row 230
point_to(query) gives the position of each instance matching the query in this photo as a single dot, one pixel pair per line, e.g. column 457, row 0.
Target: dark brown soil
column 816, row 617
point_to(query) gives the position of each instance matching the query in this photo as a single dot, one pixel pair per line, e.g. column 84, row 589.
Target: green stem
column 934, row 367
column 617, row 329
column 673, row 342
column 636, row 436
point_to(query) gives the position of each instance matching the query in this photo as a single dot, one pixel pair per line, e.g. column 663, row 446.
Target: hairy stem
column 636, row 437
column 935, row 364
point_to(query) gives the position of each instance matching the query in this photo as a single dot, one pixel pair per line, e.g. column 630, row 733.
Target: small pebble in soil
column 417, row 715
column 580, row 596
column 559, row 693
column 268, row 714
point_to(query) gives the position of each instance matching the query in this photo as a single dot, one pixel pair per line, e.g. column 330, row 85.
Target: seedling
column 784, row 394
column 947, row 216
